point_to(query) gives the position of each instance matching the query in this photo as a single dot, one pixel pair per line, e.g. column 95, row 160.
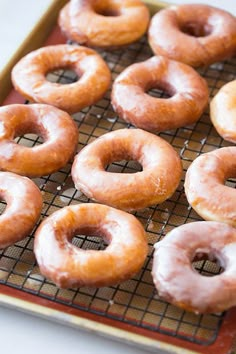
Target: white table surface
column 22, row 333
column 16, row 24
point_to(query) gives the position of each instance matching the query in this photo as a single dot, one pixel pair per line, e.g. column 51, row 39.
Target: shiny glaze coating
column 195, row 34
column 24, row 204
column 188, row 90
column 159, row 179
column 104, row 23
column 180, row 284
column 29, row 76
column 69, row 266
column 223, row 111
column 57, row 129
column 205, row 185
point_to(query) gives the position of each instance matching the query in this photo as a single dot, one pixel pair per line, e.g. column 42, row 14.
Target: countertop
column 23, row 333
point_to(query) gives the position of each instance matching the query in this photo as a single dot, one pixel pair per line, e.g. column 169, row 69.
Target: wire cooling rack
column 135, row 301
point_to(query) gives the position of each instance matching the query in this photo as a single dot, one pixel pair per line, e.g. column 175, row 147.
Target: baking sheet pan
column 131, row 311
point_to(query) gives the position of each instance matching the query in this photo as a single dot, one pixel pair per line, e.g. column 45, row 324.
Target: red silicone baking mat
column 132, row 309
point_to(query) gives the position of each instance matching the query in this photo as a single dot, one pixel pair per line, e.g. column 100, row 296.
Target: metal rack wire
column 135, row 301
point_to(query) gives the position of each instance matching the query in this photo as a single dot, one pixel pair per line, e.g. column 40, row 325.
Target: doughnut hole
column 196, row 29
column 29, row 135
column 124, row 166
column 108, row 12
column 107, row 9
column 3, row 205
column 63, row 75
column 90, row 238
column 159, row 93
column 87, row 242
column 231, row 182
column 207, row 264
column 160, row 90
column 29, row 140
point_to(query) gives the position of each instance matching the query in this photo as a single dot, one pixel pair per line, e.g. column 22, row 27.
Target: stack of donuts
column 182, row 38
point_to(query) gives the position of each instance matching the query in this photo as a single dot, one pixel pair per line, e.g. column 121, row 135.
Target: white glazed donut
column 179, row 283
column 205, row 186
column 24, row 204
column 69, row 266
column 56, row 127
column 159, row 179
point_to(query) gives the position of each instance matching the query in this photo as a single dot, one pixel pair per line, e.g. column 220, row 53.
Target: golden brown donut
column 195, row 34
column 69, row 266
column 179, row 283
column 24, row 204
column 205, row 185
column 159, row 179
column 57, row 129
column 104, row 23
column 188, row 91
column 29, row 76
column 223, row 111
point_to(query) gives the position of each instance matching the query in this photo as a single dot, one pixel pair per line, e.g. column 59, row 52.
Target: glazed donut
column 24, row 204
column 205, row 185
column 179, row 283
column 105, row 23
column 57, row 129
column 159, row 179
column 69, row 266
column 195, row 34
column 189, row 94
column 29, row 77
column 223, row 111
